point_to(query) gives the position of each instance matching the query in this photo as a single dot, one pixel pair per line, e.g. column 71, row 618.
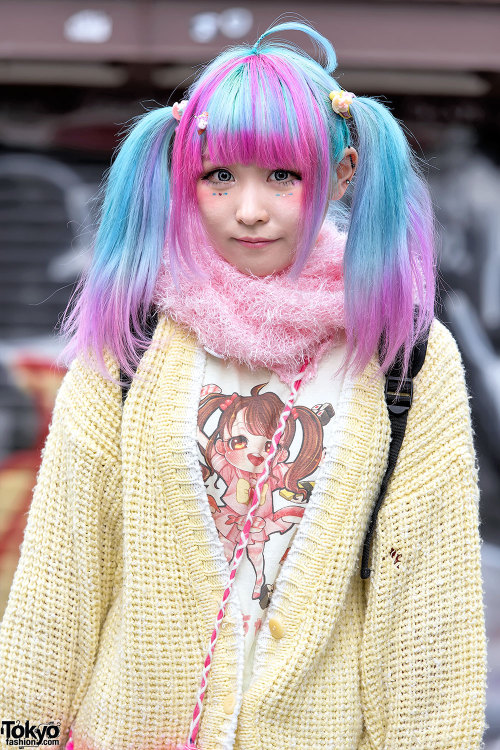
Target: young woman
column 191, row 573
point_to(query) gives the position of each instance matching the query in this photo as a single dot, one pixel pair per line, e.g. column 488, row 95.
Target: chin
column 254, row 268
column 258, row 271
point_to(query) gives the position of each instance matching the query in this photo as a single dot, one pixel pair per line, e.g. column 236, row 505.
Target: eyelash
column 225, row 182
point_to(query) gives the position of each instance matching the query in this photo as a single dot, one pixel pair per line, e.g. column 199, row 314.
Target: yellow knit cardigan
column 122, row 573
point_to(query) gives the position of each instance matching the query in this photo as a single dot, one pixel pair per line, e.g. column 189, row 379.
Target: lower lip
column 255, row 244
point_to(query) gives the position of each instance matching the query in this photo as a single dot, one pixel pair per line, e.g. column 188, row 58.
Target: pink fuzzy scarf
column 270, row 321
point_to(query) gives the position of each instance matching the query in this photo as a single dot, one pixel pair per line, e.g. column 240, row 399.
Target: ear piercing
column 352, row 167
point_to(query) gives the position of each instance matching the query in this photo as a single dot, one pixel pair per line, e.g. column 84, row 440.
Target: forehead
column 239, row 425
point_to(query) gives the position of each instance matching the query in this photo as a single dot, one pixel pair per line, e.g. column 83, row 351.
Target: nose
column 251, row 207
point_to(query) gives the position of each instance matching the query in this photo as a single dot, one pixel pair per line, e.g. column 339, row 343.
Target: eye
column 223, row 175
column 282, row 176
column 238, row 442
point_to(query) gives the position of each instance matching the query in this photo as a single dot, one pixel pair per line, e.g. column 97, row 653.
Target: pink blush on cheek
column 208, row 196
column 291, row 196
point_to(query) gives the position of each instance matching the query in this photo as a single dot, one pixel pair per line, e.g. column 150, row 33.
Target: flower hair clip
column 178, row 108
column 341, row 100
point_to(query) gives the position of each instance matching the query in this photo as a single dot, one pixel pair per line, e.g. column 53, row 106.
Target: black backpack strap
column 151, row 322
column 398, row 407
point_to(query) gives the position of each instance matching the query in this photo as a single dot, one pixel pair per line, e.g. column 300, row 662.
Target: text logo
column 24, row 735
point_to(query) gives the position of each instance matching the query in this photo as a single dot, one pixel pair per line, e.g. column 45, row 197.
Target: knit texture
column 271, row 321
column 122, row 573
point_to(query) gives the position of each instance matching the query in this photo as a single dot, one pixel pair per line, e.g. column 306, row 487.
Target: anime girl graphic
column 236, row 452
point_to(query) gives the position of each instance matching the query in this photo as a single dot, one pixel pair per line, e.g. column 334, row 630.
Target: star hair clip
column 341, row 101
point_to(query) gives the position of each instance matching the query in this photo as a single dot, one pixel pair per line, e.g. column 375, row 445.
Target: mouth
column 256, row 242
column 255, row 459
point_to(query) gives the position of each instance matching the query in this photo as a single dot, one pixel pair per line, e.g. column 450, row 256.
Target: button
column 229, row 703
column 276, row 627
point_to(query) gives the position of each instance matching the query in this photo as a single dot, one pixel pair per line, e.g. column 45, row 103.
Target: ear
column 345, row 171
column 220, row 447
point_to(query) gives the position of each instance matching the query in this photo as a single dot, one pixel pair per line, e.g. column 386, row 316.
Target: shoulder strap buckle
column 398, row 403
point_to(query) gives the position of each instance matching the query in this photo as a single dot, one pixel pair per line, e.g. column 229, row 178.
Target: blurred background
column 73, row 73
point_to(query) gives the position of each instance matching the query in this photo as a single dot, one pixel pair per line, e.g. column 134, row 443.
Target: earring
column 348, row 182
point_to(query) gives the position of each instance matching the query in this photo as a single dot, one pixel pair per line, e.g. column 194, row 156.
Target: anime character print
column 236, row 451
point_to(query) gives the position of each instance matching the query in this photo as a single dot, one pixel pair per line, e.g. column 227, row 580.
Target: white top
column 238, row 461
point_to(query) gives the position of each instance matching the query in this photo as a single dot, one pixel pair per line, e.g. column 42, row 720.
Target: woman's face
column 240, row 205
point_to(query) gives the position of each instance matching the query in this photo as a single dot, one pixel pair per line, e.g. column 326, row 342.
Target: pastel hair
column 267, row 104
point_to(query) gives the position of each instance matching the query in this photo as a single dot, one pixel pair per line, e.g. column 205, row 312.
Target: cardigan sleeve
column 63, row 584
column 423, row 658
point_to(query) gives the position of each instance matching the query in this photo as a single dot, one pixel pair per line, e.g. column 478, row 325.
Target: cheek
column 235, row 457
column 289, row 206
column 288, row 200
column 293, row 201
column 211, row 206
column 204, row 199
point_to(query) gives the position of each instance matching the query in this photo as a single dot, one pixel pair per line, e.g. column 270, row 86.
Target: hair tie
column 227, row 402
column 341, row 101
column 294, row 413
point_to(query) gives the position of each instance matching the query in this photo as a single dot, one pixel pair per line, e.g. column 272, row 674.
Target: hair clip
column 202, row 121
column 227, row 402
column 178, row 108
column 341, row 100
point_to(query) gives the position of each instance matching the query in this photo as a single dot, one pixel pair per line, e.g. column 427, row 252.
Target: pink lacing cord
column 242, row 544
column 193, row 729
